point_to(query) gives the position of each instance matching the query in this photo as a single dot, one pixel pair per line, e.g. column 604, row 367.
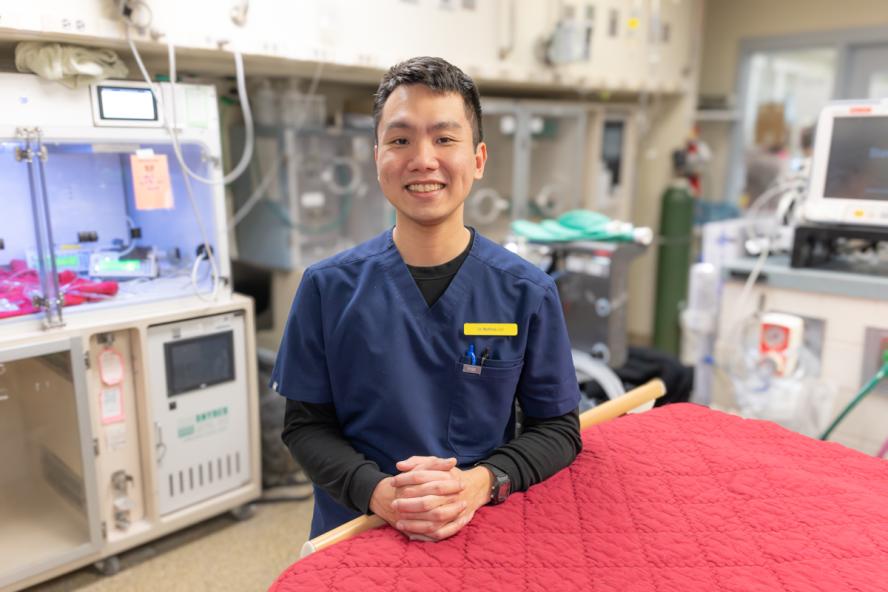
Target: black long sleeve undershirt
column 314, row 438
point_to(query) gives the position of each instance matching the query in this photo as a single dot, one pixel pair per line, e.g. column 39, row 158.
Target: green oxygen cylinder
column 673, row 264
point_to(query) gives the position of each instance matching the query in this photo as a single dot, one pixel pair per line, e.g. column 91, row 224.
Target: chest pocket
column 481, row 405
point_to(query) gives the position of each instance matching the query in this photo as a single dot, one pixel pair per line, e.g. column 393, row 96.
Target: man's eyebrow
column 441, row 125
column 398, row 124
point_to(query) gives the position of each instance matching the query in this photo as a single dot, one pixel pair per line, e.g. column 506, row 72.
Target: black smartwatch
column 501, row 486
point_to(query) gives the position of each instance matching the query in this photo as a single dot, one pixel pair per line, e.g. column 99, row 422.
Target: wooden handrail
column 600, row 414
column 623, row 404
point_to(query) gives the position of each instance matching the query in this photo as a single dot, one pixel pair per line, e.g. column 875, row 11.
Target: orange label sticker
column 151, row 182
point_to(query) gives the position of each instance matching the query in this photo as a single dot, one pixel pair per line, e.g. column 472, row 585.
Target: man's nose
column 424, row 157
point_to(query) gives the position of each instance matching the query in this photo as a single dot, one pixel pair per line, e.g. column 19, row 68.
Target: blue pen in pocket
column 471, row 354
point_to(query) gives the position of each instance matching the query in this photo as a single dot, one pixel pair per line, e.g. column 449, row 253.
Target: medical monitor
column 849, row 168
column 121, row 103
column 199, row 362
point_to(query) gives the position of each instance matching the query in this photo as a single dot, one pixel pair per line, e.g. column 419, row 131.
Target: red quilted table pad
column 680, row 498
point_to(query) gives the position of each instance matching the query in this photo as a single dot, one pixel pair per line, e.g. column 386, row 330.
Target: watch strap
column 501, row 486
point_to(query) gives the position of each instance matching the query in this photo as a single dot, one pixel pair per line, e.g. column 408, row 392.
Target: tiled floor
column 220, row 554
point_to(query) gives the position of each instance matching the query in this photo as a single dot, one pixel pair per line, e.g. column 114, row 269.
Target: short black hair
column 440, row 76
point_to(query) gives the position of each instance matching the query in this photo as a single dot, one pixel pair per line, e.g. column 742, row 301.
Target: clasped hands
column 431, row 499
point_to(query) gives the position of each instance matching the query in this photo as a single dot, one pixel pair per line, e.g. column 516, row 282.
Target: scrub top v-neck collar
column 445, row 307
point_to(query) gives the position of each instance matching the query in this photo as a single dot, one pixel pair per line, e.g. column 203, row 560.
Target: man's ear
column 480, row 159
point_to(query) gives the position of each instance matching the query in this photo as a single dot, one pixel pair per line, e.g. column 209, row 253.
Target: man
column 403, row 356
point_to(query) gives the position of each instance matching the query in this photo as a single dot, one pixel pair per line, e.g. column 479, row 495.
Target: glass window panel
column 19, row 283
column 43, row 505
column 786, row 91
column 120, row 235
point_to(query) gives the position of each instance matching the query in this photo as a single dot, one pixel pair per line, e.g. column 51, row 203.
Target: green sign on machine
column 212, row 414
column 203, row 424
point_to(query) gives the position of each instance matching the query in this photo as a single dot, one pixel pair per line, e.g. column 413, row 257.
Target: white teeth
column 425, row 187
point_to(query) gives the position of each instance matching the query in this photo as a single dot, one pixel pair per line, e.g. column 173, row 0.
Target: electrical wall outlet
column 875, row 344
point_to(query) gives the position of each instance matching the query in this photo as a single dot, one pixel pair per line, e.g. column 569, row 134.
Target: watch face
column 502, row 492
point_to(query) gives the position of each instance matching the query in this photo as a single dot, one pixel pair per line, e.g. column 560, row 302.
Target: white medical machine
column 849, row 172
column 128, row 386
column 780, row 339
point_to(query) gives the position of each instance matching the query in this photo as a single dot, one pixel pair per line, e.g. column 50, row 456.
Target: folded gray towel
column 71, row 65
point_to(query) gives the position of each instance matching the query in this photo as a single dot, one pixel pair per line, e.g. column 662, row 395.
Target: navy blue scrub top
column 361, row 336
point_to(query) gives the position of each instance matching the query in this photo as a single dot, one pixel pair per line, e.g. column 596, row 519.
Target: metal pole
column 55, row 298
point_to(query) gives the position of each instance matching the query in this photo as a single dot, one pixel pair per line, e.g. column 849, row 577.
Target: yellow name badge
column 493, row 329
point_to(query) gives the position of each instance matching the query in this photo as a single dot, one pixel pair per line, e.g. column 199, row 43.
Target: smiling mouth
column 425, row 187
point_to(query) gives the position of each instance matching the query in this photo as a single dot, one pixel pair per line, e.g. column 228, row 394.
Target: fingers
column 444, row 531
column 450, row 529
column 426, row 462
column 420, row 476
column 439, row 488
column 432, row 521
column 381, row 501
column 425, row 503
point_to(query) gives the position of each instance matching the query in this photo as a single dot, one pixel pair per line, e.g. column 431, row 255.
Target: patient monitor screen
column 858, row 159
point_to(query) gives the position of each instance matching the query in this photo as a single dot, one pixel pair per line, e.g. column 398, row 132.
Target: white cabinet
column 616, row 45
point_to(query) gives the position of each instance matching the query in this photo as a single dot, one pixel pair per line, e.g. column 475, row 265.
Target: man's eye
column 445, row 140
column 399, row 142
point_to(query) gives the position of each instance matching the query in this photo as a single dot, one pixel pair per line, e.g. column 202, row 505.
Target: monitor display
column 199, row 362
column 124, row 103
column 857, row 167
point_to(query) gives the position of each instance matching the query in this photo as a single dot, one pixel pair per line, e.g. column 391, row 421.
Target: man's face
column 424, row 157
